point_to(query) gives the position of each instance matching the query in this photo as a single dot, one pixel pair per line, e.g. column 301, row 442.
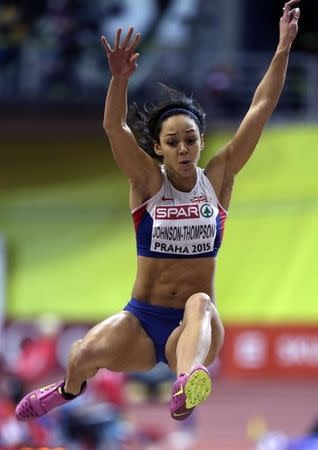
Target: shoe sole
column 198, row 388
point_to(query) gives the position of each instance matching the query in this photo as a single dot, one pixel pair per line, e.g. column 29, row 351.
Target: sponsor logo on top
column 177, row 212
column 206, row 210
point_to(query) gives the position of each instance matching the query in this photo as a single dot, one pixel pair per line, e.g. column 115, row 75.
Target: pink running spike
column 41, row 401
column 189, row 391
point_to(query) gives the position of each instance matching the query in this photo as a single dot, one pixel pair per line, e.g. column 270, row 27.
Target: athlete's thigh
column 119, row 343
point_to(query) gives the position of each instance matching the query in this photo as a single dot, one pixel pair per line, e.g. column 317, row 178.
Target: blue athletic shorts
column 157, row 321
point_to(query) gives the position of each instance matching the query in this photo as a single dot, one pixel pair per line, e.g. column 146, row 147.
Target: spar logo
column 177, row 212
column 206, row 211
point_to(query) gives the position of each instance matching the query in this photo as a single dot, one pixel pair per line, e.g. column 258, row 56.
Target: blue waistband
column 155, row 308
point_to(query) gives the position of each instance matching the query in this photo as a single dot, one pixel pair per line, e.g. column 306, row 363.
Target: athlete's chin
column 186, row 168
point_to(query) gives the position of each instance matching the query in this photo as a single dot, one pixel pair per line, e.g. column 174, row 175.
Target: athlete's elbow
column 108, row 127
column 264, row 108
column 112, row 128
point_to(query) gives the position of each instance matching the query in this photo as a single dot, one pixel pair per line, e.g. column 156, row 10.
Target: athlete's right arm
column 142, row 171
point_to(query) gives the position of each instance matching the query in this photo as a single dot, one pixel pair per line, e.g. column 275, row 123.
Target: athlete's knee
column 199, row 304
column 84, row 353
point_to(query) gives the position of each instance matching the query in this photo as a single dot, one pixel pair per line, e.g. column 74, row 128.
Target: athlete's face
column 180, row 144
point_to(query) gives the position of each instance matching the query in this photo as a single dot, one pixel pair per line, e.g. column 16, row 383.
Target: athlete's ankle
column 187, row 369
column 69, row 393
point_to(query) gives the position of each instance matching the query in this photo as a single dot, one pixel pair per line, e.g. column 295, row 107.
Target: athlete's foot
column 42, row 400
column 189, row 391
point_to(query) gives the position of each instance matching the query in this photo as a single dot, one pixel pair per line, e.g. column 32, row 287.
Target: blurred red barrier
column 273, row 351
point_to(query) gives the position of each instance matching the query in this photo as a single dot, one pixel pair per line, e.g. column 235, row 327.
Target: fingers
column 127, row 38
column 134, row 58
column 125, row 45
column 117, row 39
column 106, row 45
column 289, row 4
column 287, row 8
column 134, row 43
column 295, row 14
column 291, row 16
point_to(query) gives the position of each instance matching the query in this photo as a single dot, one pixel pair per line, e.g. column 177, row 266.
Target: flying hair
column 146, row 121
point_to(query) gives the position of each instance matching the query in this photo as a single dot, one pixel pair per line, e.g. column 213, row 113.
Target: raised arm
column 142, row 171
column 228, row 161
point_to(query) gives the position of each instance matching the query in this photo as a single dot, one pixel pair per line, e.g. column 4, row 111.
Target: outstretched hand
column 122, row 58
column 288, row 26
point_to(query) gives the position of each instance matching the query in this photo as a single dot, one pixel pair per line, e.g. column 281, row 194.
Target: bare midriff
column 170, row 282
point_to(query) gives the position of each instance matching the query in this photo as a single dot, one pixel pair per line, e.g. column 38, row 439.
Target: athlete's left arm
column 223, row 167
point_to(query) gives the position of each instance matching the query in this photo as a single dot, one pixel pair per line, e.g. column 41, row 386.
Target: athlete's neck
column 181, row 183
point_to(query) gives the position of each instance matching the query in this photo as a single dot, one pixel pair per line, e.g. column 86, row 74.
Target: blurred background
column 67, row 249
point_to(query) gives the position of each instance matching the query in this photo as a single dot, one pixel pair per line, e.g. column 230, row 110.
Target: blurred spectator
column 220, row 90
column 12, row 33
column 313, row 431
column 97, row 421
column 110, row 387
column 14, row 434
column 37, row 358
column 152, row 383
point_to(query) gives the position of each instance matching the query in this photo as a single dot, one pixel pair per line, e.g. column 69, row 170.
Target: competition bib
column 184, row 229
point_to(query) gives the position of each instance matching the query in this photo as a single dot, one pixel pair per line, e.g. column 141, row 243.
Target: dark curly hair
column 146, row 122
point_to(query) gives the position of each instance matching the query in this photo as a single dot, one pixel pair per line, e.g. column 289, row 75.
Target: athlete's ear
column 157, row 148
column 202, row 143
